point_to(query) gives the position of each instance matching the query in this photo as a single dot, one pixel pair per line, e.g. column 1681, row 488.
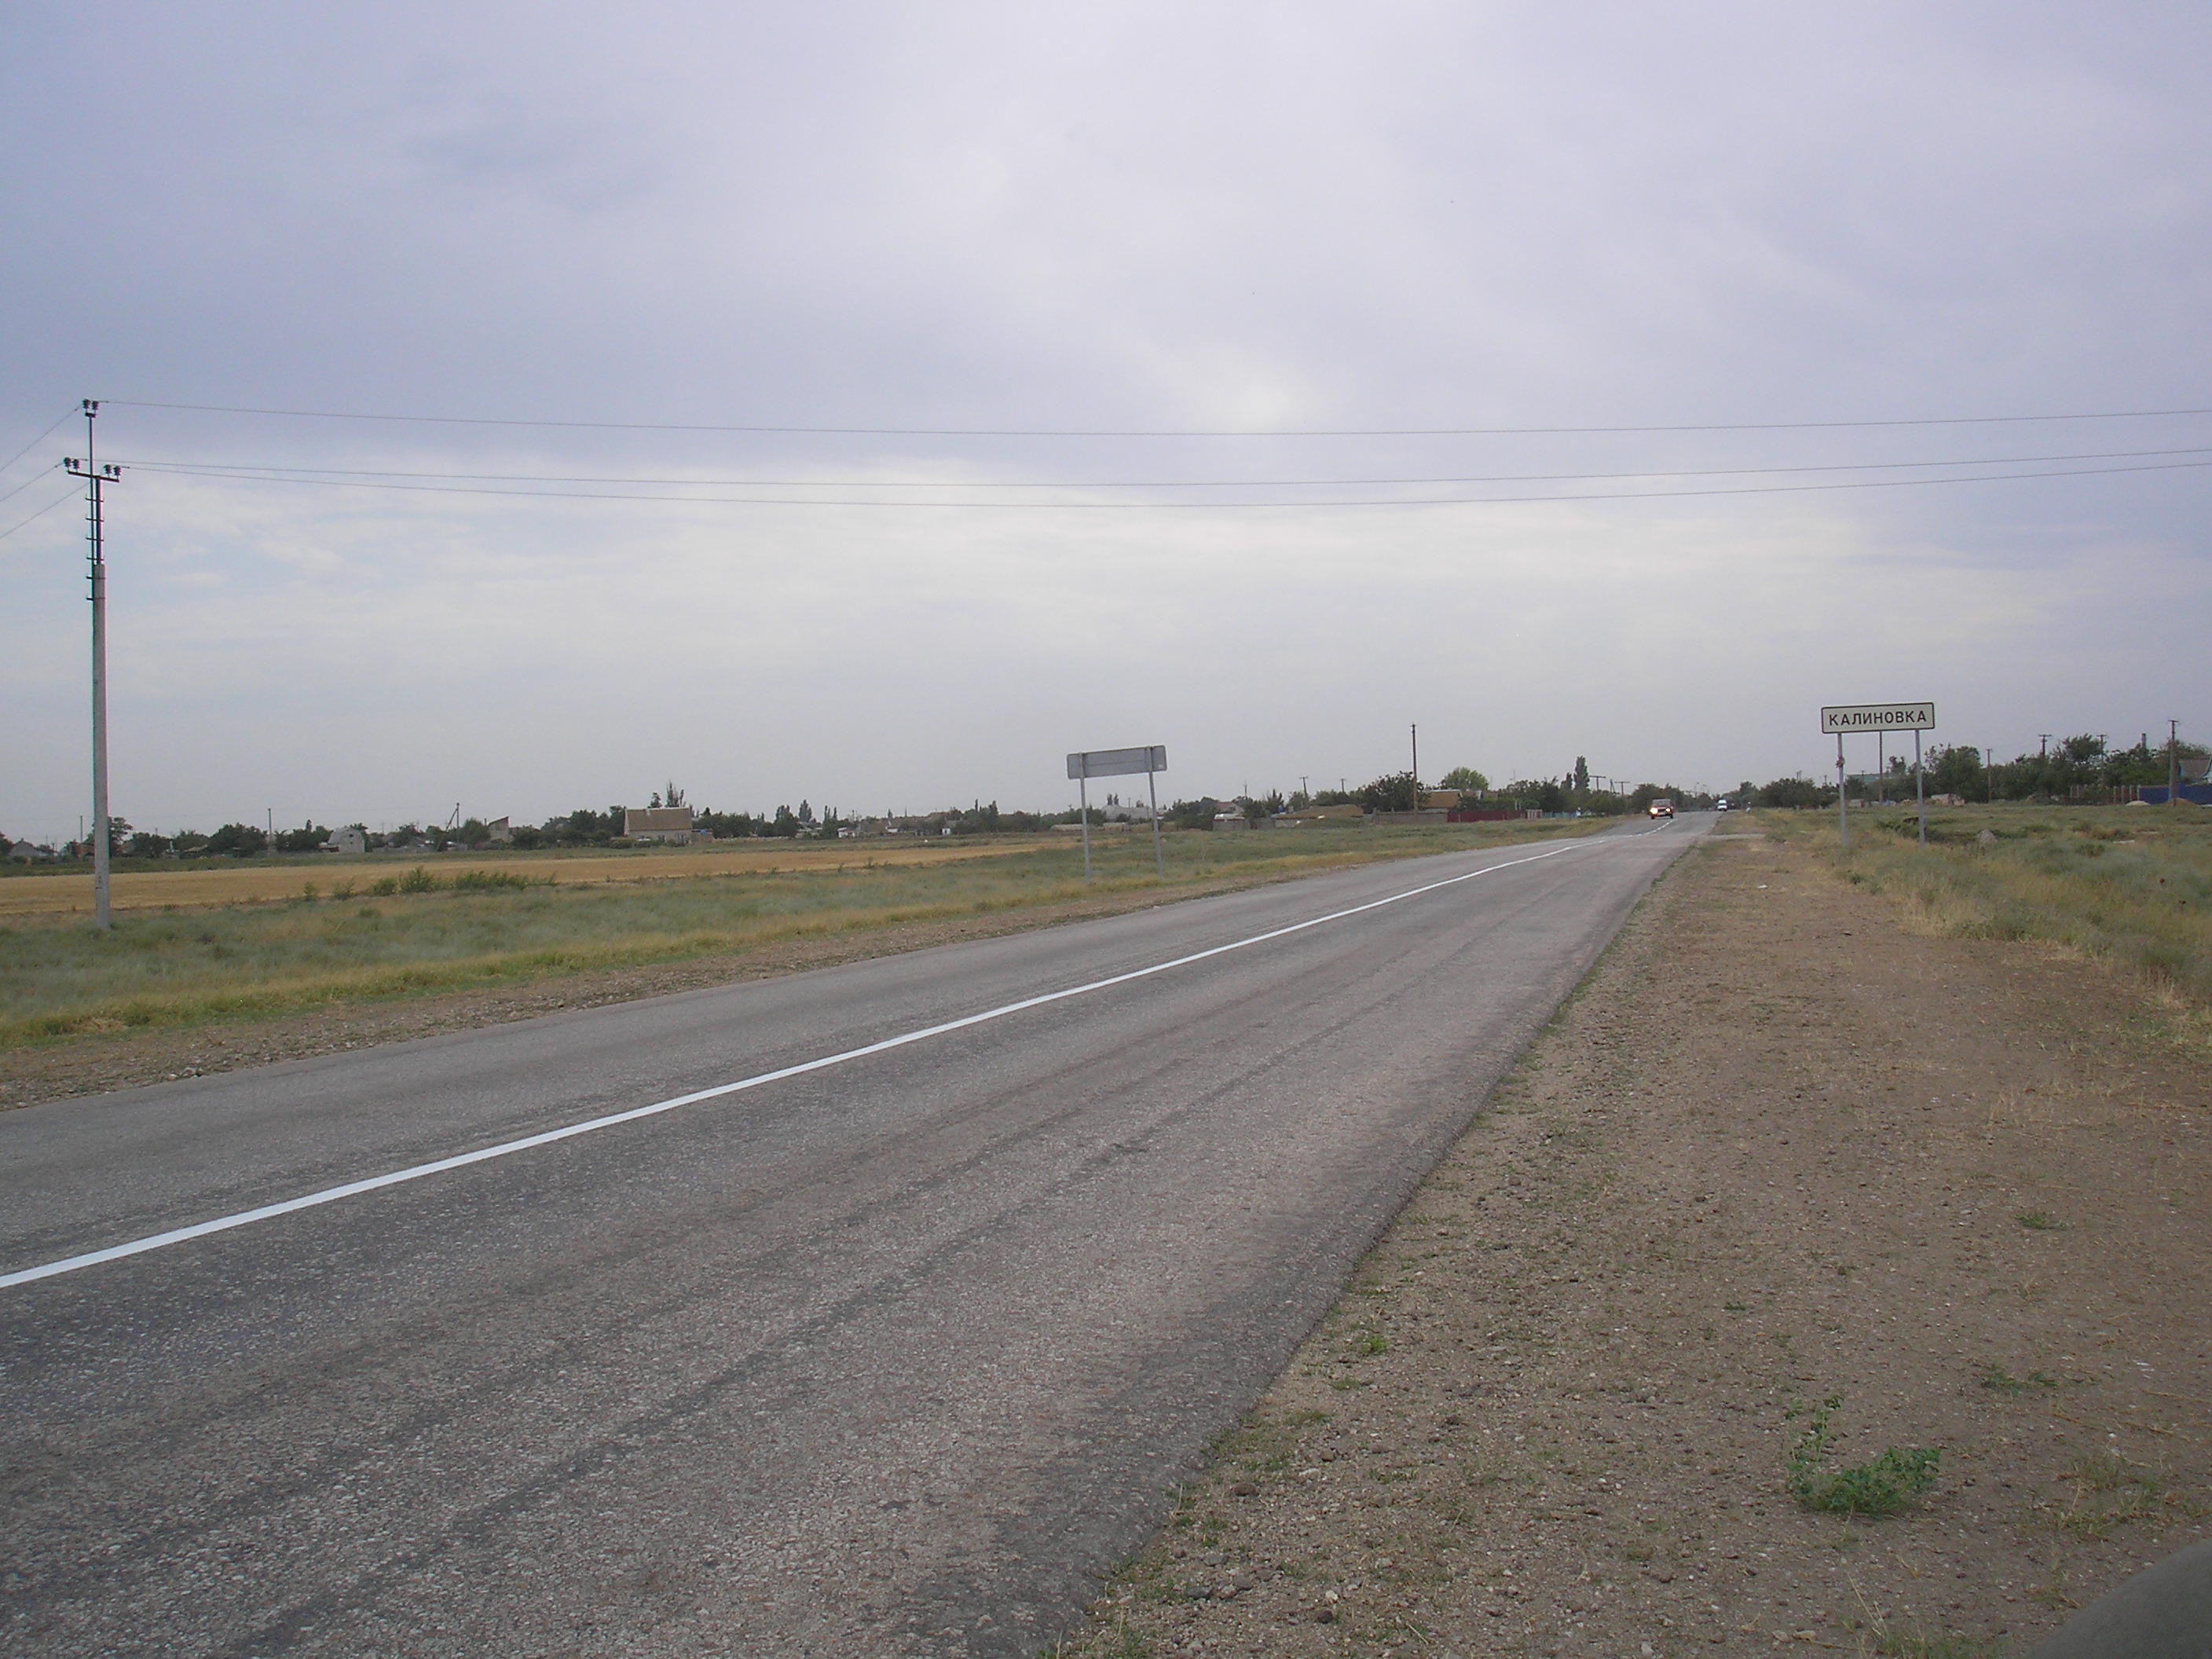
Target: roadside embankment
column 1782, row 1188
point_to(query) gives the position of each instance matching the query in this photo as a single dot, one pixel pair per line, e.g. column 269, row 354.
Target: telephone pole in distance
column 96, row 477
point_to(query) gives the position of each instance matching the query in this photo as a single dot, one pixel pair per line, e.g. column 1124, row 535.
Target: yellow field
column 248, row 883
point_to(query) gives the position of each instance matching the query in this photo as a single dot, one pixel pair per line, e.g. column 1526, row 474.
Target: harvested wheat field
column 1814, row 1285
column 263, row 882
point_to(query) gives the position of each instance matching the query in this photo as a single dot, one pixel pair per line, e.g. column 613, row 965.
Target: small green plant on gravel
column 1888, row 1485
column 1367, row 1345
column 2038, row 1221
column 1997, row 1380
column 2109, row 1492
column 1893, row 1643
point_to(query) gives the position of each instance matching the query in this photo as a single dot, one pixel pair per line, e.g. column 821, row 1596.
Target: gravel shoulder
column 1777, row 1151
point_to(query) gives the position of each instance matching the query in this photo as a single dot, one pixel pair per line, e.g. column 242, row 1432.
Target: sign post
column 1086, row 764
column 1913, row 717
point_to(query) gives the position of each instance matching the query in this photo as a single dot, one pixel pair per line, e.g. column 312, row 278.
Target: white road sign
column 1118, row 763
column 1876, row 717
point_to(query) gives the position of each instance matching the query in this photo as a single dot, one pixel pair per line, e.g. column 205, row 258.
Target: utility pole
column 2173, row 762
column 1417, row 766
column 1919, row 788
column 1843, row 801
column 96, row 478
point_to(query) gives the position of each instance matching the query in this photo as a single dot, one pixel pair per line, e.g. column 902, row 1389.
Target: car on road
column 1662, row 808
column 1719, row 806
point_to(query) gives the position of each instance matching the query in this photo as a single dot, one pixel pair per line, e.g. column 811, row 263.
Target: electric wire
column 70, row 497
column 1081, row 432
column 1190, row 507
column 313, row 474
column 36, row 478
column 36, row 442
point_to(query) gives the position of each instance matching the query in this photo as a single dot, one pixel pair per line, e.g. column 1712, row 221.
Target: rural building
column 24, row 853
column 347, row 841
column 668, row 824
column 500, row 830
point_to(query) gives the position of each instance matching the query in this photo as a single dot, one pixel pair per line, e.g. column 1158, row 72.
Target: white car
column 1719, row 806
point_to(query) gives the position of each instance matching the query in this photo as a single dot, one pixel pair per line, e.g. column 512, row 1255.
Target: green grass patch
column 1889, row 1485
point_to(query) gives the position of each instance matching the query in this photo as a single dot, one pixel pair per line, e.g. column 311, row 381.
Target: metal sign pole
column 1843, row 801
column 1083, row 794
column 1153, row 790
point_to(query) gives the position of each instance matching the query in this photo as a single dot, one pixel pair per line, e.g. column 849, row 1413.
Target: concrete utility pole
column 96, row 478
column 1843, row 801
column 2173, row 762
column 1417, row 766
column 1919, row 790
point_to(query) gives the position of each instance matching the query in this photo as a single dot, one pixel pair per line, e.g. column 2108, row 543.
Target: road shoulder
column 1775, row 1152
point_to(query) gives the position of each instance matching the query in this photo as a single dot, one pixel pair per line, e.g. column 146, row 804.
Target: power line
column 35, row 442
column 36, row 478
column 329, row 474
column 1186, row 507
column 70, row 495
column 1085, row 432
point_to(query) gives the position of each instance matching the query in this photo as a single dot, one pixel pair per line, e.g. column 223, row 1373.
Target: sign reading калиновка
column 1878, row 717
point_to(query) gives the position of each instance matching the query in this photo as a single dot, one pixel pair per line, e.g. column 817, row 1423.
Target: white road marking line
column 482, row 1154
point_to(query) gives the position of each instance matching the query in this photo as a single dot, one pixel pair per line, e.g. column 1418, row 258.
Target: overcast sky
column 1214, row 230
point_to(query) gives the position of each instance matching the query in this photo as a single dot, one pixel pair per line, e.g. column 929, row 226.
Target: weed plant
column 2131, row 885
column 419, row 932
column 1889, row 1485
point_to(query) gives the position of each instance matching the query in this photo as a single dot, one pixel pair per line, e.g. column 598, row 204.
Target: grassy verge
column 419, row 935
column 2130, row 886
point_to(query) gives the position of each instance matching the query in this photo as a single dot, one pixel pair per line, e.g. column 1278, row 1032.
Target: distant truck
column 1662, row 808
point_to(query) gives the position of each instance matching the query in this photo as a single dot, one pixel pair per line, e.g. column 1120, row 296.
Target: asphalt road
column 896, row 1355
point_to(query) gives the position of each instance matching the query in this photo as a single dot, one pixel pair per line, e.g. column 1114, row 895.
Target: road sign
column 1873, row 717
column 1118, row 763
column 1840, row 720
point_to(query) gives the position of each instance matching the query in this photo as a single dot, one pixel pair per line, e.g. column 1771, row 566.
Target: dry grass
column 35, row 893
column 59, row 981
column 2130, row 887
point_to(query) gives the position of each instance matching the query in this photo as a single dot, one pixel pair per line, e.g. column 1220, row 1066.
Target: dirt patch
column 83, row 1066
column 1775, row 1153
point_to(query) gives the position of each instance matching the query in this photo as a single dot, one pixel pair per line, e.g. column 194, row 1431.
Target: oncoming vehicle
column 1719, row 806
column 1662, row 808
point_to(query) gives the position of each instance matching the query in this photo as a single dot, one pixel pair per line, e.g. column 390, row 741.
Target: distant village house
column 668, row 824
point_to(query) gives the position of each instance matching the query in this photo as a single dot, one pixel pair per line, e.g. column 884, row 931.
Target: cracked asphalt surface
column 894, row 1357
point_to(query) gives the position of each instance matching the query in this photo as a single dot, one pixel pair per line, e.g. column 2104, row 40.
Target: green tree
column 238, row 840
column 1956, row 769
column 1582, row 774
column 1393, row 792
column 1466, row 779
